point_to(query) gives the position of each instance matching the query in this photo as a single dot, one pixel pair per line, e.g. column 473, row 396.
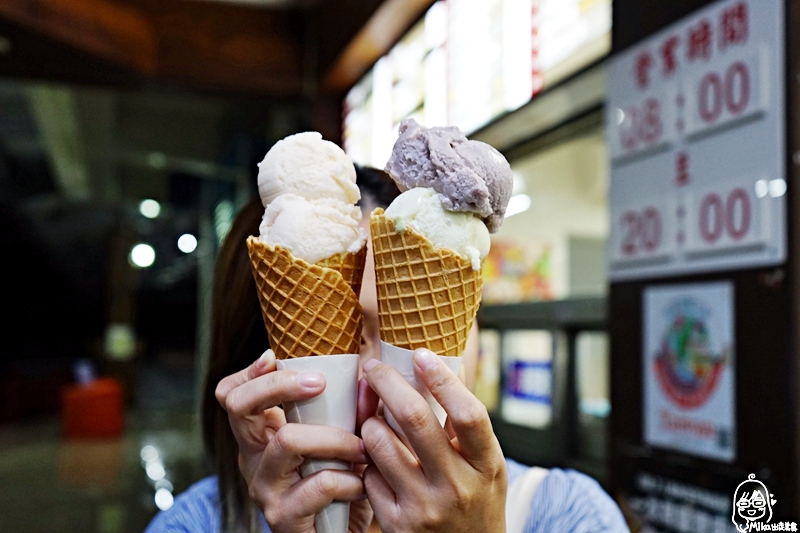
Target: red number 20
column 642, row 231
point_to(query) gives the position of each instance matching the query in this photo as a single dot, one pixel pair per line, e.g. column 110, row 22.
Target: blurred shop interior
column 129, row 136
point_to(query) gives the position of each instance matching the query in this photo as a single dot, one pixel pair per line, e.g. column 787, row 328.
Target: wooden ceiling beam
column 223, row 47
column 206, row 45
column 338, row 21
column 226, row 47
column 104, row 29
column 383, row 29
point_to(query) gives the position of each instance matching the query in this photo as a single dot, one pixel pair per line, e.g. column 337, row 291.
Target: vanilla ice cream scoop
column 308, row 186
column 306, row 165
column 421, row 209
column 312, row 229
column 469, row 176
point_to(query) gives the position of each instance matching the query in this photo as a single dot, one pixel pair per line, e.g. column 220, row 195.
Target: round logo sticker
column 686, row 366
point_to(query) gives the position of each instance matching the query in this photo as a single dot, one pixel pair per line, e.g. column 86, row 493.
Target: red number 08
column 642, row 231
column 642, row 125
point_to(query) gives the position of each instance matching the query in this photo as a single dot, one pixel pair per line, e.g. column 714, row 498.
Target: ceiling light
column 155, row 471
column 762, row 188
column 163, row 484
column 187, row 243
column 149, row 454
column 519, row 186
column 517, row 204
column 142, row 255
column 157, row 159
column 150, row 208
column 164, row 499
column 777, row 188
column 223, row 218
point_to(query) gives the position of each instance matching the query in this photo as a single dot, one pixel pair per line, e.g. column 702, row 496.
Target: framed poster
column 689, row 369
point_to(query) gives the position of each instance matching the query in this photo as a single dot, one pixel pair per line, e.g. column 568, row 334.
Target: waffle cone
column 308, row 309
column 427, row 297
column 350, row 266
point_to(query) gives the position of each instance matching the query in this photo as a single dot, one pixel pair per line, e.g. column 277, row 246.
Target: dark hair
column 377, row 188
column 238, row 338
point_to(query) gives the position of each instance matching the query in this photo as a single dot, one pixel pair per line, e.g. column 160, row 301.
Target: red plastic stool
column 94, row 410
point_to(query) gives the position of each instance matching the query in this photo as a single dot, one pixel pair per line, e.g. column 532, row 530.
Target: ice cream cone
column 350, row 266
column 308, row 309
column 427, row 297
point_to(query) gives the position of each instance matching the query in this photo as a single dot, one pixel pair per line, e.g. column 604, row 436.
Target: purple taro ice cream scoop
column 469, row 176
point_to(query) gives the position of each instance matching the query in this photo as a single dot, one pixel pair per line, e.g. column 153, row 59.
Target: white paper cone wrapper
column 401, row 360
column 336, row 406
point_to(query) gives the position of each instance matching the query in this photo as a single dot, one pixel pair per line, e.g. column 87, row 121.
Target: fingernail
column 425, row 359
column 266, row 359
column 369, row 365
column 310, row 381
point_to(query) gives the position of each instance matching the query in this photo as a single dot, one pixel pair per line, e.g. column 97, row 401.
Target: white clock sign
column 695, row 125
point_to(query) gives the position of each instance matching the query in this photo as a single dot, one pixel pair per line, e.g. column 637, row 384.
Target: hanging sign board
column 695, row 127
column 689, row 379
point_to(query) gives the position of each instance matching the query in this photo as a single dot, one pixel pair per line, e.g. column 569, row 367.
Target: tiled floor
column 49, row 484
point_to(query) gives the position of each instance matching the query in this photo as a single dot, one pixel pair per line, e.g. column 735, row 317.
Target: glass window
column 528, row 371
column 552, row 244
column 487, row 377
column 594, row 405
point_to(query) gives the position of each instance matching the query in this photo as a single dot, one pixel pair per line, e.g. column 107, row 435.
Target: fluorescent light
column 155, row 471
column 517, row 58
column 762, row 188
column 777, row 188
column 157, row 159
column 519, row 185
column 143, row 255
column 149, row 454
column 383, row 134
column 149, row 208
column 223, row 218
column 164, row 499
column 187, row 243
column 517, row 204
column 164, row 484
column 435, row 26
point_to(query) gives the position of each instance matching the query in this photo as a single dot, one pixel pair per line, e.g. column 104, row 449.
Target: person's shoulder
column 514, row 470
column 559, row 500
column 196, row 510
column 571, row 501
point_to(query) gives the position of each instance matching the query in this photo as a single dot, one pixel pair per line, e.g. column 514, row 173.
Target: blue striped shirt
column 565, row 502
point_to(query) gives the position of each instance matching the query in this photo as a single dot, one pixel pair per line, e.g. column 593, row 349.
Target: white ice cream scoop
column 421, row 209
column 312, row 229
column 306, row 165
